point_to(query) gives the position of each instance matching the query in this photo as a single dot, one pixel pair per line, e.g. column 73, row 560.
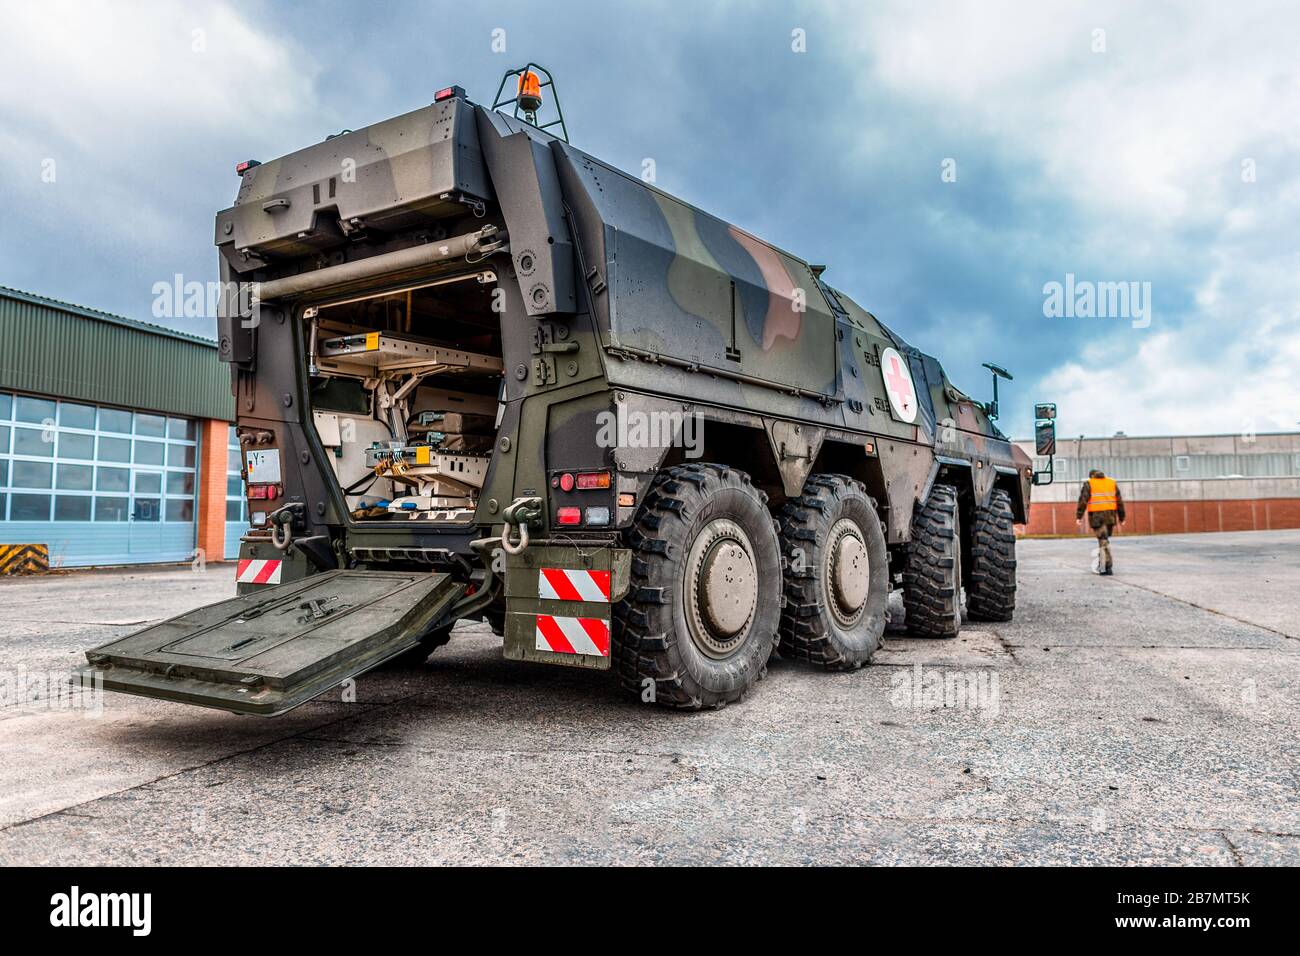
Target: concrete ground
column 1146, row 718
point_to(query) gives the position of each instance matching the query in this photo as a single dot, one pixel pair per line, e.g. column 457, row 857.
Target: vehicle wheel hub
column 722, row 584
column 848, row 571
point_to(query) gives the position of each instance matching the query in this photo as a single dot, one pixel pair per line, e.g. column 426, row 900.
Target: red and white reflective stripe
column 258, row 572
column 563, row 584
column 573, row 635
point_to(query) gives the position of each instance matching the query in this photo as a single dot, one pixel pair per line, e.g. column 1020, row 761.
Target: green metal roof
column 56, row 348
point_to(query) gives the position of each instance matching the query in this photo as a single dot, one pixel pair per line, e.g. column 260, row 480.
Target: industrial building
column 116, row 448
column 1177, row 484
column 115, row 439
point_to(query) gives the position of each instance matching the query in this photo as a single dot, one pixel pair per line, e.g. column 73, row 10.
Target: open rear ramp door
column 267, row 652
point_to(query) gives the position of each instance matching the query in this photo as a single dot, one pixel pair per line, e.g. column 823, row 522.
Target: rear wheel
column 932, row 573
column 991, row 588
column 837, row 574
column 699, row 622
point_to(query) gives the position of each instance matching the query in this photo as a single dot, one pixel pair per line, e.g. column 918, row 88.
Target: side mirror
column 1045, row 438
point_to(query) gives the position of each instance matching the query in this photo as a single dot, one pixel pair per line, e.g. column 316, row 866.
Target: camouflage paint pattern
column 673, row 311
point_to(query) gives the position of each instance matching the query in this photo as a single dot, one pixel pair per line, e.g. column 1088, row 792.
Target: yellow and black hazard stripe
column 24, row 558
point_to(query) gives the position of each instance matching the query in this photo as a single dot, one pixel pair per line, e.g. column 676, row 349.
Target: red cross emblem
column 898, row 384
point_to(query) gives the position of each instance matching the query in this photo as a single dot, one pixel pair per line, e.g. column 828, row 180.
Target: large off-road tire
column 932, row 570
column 836, row 575
column 417, row 655
column 700, row 617
column 991, row 577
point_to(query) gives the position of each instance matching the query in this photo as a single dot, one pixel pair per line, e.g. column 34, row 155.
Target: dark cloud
column 833, row 154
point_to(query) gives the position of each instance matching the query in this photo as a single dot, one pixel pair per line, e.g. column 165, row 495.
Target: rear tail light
column 263, row 492
column 569, row 516
column 594, row 479
column 566, row 482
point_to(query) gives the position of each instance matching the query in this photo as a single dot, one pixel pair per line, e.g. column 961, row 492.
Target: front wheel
column 991, row 588
column 699, row 620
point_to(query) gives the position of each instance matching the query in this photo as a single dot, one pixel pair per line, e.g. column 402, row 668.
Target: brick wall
column 212, row 489
column 1175, row 517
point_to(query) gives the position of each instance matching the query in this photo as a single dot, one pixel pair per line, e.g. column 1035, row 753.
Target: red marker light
column 594, row 479
column 246, row 165
column 447, row 93
column 569, row 516
column 566, row 482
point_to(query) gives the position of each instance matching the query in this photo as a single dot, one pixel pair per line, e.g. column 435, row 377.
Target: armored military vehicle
column 480, row 374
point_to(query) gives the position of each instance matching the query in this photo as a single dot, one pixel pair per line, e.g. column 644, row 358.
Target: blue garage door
column 98, row 485
column 236, row 501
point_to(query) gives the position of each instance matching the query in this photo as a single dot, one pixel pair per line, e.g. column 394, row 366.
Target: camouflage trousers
column 1103, row 526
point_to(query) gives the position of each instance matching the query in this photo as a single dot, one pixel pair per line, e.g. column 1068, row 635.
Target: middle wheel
column 837, row 574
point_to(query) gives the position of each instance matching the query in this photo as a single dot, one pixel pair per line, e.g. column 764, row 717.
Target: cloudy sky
column 947, row 160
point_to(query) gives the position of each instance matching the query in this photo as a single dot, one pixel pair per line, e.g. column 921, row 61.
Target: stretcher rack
column 380, row 355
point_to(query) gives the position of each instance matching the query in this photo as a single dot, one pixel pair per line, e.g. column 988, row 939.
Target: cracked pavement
column 1141, row 719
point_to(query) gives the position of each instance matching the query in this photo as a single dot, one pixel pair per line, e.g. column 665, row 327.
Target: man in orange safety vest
column 1101, row 499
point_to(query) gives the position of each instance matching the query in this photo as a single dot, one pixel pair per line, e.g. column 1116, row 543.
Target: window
column 6, row 405
column 114, row 449
column 71, row 508
column 180, row 509
column 110, row 509
column 75, row 478
column 33, row 441
column 4, row 439
column 180, row 456
column 147, row 509
column 180, row 483
column 29, row 507
column 76, row 446
column 114, row 420
column 77, row 416
column 32, row 474
column 151, row 426
column 35, row 410
column 112, row 479
column 1183, row 463
column 148, row 483
column 180, row 428
column 149, row 452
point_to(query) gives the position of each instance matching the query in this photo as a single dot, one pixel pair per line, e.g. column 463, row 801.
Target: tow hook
column 284, row 519
column 520, row 512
